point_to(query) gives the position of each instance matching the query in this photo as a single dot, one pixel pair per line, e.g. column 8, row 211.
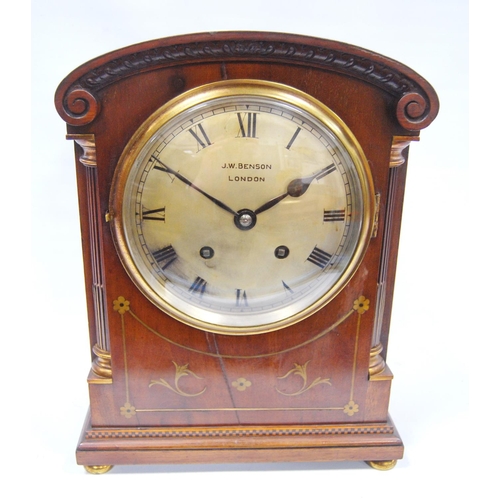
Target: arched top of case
column 416, row 102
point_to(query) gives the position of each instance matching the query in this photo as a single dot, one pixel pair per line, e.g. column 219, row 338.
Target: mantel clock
column 240, row 197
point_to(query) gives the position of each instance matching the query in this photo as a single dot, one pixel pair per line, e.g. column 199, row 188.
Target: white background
column 45, row 349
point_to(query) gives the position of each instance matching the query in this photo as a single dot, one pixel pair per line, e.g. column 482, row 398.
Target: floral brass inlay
column 361, row 305
column 180, row 371
column 241, row 384
column 351, row 408
column 301, row 371
column 127, row 410
column 121, row 305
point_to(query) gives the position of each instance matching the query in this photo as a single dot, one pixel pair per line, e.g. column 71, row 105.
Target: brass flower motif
column 127, row 410
column 361, row 305
column 241, row 384
column 351, row 408
column 121, row 305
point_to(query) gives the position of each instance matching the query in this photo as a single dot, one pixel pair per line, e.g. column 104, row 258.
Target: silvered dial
column 242, row 207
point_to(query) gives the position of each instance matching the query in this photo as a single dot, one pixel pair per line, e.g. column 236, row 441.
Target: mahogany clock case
column 162, row 391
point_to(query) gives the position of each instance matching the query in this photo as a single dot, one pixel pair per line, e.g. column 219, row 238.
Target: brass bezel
column 235, row 88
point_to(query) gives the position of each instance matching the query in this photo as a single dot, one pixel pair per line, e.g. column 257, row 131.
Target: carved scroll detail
column 413, row 111
column 80, row 107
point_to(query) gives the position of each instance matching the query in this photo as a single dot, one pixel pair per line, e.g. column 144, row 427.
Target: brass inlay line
column 355, row 357
column 125, row 363
column 254, row 356
column 361, row 305
column 177, row 410
column 122, row 306
column 127, row 410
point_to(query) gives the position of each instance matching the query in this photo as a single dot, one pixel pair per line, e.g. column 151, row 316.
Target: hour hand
column 297, row 187
column 165, row 168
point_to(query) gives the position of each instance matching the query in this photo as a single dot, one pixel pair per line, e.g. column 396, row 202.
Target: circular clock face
column 242, row 207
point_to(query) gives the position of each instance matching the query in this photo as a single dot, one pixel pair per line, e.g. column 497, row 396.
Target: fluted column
column 377, row 363
column 101, row 364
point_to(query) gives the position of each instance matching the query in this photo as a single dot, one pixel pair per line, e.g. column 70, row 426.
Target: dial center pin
column 245, row 219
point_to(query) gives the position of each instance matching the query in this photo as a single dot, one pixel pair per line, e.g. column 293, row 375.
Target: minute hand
column 297, row 187
column 179, row 176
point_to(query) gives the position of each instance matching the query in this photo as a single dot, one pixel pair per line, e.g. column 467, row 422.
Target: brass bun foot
column 382, row 464
column 97, row 469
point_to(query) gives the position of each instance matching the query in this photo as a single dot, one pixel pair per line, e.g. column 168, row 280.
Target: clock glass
column 242, row 206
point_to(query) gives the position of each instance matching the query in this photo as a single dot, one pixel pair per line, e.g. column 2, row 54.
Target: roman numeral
column 198, row 132
column 248, row 129
column 319, row 257
column 241, row 297
column 199, row 285
column 294, row 136
column 155, row 214
column 333, row 215
column 165, row 256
